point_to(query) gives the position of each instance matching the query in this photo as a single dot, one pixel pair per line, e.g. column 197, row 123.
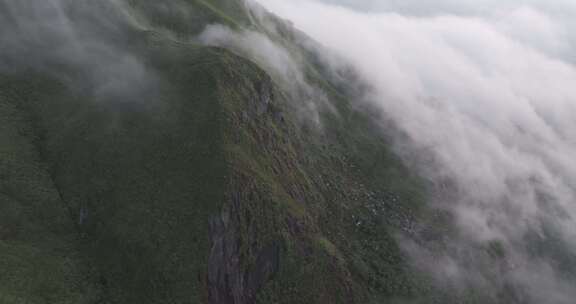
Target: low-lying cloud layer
column 486, row 91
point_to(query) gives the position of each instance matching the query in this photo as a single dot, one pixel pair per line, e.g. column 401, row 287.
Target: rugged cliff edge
column 201, row 186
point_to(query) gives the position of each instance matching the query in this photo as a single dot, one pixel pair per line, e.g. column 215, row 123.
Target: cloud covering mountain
column 483, row 93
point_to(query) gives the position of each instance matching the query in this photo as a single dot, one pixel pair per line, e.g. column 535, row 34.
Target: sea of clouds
column 485, row 92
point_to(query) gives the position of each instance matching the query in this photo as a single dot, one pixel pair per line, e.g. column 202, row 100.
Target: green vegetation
column 205, row 189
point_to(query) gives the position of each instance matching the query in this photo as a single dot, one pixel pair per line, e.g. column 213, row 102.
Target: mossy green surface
column 38, row 255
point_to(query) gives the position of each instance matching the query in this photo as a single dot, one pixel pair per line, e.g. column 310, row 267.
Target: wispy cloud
column 285, row 65
column 84, row 43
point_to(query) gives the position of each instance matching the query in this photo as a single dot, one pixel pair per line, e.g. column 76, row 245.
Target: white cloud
column 488, row 88
column 282, row 64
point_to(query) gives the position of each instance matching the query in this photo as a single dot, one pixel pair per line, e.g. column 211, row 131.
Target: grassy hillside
column 204, row 186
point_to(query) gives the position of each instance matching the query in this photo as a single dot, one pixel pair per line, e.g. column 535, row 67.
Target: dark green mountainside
column 195, row 181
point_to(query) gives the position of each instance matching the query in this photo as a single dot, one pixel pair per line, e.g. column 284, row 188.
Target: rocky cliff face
column 183, row 173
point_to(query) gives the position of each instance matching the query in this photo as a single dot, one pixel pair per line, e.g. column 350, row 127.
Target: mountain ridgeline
column 141, row 165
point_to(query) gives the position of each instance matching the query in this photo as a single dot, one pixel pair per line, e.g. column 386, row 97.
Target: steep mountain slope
column 195, row 181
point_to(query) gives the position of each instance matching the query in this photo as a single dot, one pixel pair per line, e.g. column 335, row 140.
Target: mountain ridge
column 198, row 182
